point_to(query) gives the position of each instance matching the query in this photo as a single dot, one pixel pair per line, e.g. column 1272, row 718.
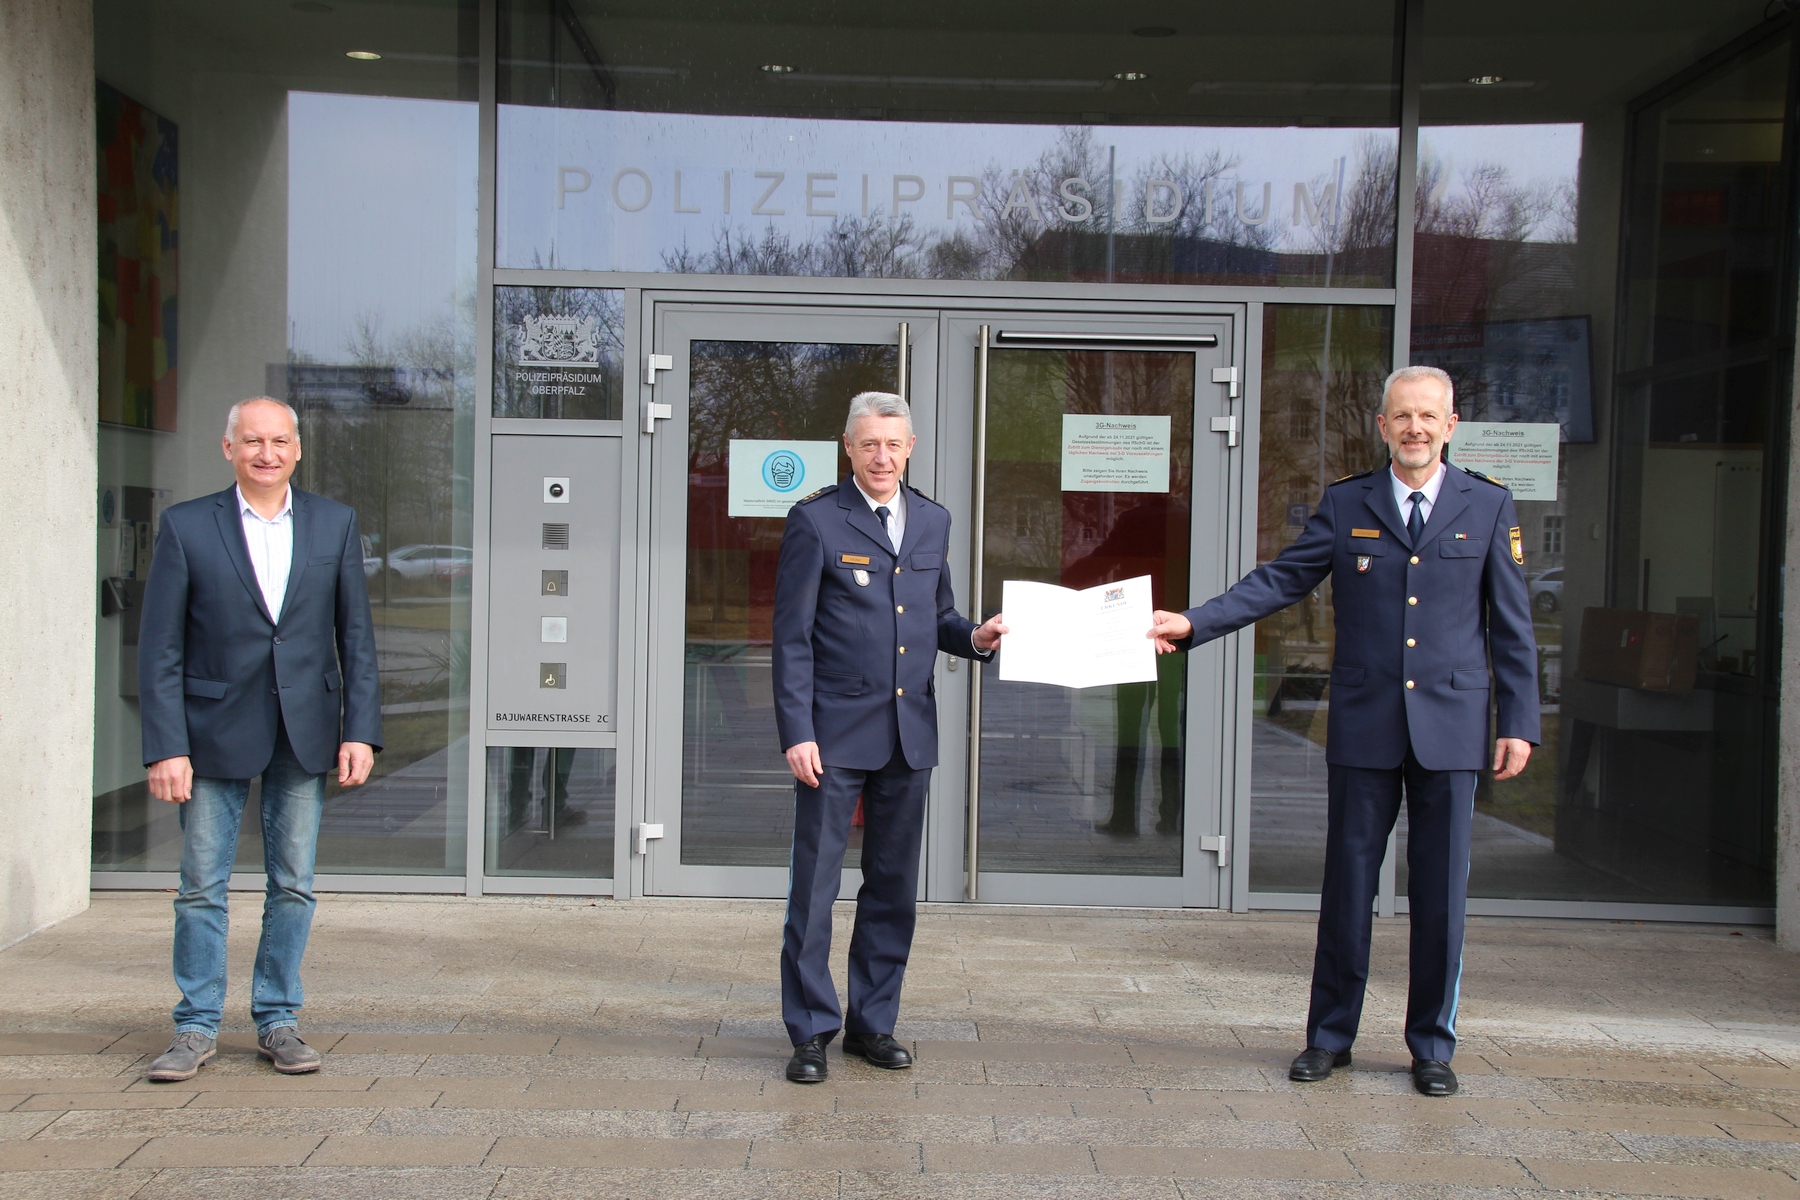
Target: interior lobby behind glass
column 1604, row 168
column 279, row 218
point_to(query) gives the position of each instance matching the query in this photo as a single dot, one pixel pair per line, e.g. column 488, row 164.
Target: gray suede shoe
column 187, row 1053
column 283, row 1048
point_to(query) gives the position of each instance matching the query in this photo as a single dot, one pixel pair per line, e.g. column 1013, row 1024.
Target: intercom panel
column 553, row 590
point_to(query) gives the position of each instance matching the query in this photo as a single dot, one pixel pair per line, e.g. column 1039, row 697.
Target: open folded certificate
column 1077, row 639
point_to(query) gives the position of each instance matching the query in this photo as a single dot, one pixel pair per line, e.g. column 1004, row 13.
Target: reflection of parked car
column 1546, row 591
column 429, row 562
column 371, row 560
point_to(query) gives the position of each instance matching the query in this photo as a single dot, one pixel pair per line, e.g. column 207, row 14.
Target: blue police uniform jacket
column 1417, row 626
column 217, row 677
column 858, row 627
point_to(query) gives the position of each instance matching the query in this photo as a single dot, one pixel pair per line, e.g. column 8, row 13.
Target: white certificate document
column 1077, row 639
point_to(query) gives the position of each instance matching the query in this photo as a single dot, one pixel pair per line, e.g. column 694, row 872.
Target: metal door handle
column 1227, row 426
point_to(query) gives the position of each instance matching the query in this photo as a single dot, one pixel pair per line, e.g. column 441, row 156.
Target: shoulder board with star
column 1484, row 478
column 830, row 487
column 1354, row 475
column 921, row 495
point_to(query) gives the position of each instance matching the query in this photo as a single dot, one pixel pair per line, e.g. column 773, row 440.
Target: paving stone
column 618, row 1152
column 67, row 1101
column 1464, row 1169
column 440, row 1122
column 110, row 1184
column 224, row 1151
column 636, row 1184
column 947, row 1185
column 1662, row 1179
column 1011, row 1159
column 56, row 1154
column 1714, row 1151
column 55, row 1043
column 444, row 1043
column 1150, row 1130
column 600, row 1046
column 1199, row 1163
column 23, row 1124
column 320, row 1183
column 359, row 1150
column 834, row 1155
column 216, row 1122
column 60, row 1066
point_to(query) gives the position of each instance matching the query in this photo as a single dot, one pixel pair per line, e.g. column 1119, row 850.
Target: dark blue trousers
column 1364, row 805
column 886, row 906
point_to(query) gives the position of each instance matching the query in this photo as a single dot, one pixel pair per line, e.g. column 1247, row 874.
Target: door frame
column 675, row 324
column 661, row 537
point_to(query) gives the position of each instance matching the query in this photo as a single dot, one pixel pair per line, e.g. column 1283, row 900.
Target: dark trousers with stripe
column 1364, row 805
column 886, row 905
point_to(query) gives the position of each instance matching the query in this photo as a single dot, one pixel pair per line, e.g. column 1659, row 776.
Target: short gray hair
column 1408, row 374
column 877, row 404
column 231, row 418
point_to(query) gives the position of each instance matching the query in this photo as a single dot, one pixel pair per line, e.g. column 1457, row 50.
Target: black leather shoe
column 1315, row 1063
column 1433, row 1078
column 878, row 1050
column 808, row 1063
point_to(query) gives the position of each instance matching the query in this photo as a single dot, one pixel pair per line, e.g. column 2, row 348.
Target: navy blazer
column 1417, row 626
column 215, row 673
column 858, row 627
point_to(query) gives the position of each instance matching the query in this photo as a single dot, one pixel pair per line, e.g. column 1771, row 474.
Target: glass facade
column 1600, row 254
column 321, row 213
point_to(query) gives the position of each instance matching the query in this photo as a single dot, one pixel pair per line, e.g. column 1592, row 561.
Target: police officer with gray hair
column 1428, row 583
column 863, row 603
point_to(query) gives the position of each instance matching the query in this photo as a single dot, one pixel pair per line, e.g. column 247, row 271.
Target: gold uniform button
column 902, row 691
column 1409, row 685
column 899, row 608
column 896, row 570
column 1411, row 642
column 903, row 649
column 1412, row 599
column 1415, row 560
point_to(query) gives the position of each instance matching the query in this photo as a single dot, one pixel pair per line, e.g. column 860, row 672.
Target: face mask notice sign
column 767, row 477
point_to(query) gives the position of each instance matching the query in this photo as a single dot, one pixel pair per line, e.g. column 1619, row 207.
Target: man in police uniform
column 1428, row 582
column 862, row 606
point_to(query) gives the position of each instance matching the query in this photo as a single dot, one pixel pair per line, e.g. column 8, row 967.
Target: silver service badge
column 861, row 576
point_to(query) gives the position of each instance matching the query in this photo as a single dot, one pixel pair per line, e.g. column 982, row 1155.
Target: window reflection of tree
column 1329, row 432
column 1110, row 228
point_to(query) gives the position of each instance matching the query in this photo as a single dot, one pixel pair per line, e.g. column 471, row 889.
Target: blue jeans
column 292, row 801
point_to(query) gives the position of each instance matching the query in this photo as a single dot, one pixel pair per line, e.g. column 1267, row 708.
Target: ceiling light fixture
column 1153, row 31
column 362, row 55
column 1131, row 76
column 1486, row 80
column 778, row 68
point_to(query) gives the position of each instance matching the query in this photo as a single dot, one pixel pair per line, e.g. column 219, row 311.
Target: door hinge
column 1220, row 845
column 1227, row 426
column 658, row 362
column 646, row 834
column 1230, row 378
column 654, row 412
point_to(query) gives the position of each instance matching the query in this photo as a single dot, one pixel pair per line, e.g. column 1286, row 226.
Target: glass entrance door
column 759, row 398
column 1104, row 450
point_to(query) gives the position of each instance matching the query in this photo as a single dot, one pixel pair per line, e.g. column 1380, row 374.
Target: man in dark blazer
column 256, row 658
column 1428, row 583
column 863, row 603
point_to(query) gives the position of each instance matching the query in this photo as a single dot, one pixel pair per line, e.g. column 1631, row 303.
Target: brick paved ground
column 508, row 1048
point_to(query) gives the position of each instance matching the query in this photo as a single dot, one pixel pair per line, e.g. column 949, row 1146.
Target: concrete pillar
column 48, row 389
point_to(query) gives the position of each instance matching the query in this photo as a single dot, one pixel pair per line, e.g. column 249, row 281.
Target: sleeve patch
column 1518, row 544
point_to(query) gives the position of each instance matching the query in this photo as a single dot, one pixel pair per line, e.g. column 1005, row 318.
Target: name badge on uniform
column 1368, row 533
column 1362, row 563
column 852, row 559
column 861, row 576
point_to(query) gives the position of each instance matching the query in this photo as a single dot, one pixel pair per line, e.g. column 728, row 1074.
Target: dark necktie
column 883, row 514
column 1415, row 524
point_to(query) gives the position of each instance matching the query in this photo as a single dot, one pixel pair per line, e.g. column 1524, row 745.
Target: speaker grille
column 556, row 535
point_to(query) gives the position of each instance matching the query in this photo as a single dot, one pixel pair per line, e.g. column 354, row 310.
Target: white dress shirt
column 1402, row 492
column 271, row 545
column 896, row 523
